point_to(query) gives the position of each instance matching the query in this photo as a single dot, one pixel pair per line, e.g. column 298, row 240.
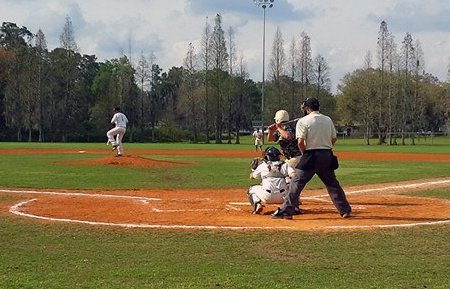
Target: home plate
column 81, row 152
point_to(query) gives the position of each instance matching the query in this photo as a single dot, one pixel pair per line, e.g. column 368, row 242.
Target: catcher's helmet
column 272, row 154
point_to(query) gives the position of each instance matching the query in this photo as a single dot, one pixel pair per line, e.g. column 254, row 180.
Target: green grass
column 47, row 255
column 45, row 171
column 441, row 193
column 68, row 256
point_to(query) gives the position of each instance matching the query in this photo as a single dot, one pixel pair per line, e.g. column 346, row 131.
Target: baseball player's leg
column 296, row 186
column 328, row 177
column 257, row 196
column 120, row 134
column 111, row 134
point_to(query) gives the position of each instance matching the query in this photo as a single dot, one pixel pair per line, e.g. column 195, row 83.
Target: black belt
column 269, row 191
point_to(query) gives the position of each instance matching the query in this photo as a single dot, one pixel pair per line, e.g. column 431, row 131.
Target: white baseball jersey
column 273, row 175
column 119, row 119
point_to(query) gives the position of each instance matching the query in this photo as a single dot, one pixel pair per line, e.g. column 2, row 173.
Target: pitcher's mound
column 126, row 160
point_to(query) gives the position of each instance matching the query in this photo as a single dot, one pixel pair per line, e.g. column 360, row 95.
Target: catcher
column 273, row 173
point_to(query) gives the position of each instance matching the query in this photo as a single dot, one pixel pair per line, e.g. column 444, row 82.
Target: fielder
column 258, row 137
column 116, row 134
column 273, row 188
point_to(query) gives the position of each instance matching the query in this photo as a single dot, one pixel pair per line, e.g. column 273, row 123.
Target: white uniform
column 273, row 187
column 120, row 120
column 258, row 135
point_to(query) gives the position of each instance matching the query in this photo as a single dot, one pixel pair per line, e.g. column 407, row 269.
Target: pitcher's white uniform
column 120, row 120
column 273, row 187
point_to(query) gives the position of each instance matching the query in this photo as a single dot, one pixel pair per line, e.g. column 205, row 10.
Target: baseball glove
column 255, row 163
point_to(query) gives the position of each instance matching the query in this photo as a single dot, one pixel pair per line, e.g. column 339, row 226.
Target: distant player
column 273, row 188
column 116, row 134
column 258, row 137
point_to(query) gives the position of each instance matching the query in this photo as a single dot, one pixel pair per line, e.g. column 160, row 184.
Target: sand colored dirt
column 374, row 206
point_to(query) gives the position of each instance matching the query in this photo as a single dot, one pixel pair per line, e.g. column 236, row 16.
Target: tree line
column 63, row 95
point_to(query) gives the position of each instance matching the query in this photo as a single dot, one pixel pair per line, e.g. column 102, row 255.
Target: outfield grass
column 52, row 255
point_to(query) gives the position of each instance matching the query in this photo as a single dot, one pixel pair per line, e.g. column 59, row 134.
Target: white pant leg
column 119, row 137
column 115, row 136
column 259, row 194
column 111, row 135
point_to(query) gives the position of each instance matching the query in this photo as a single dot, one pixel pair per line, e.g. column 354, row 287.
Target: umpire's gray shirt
column 317, row 130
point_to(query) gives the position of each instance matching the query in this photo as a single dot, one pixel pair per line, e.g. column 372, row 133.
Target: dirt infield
column 374, row 206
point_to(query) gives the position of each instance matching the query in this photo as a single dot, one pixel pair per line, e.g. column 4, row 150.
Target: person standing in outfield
column 116, row 134
column 316, row 136
column 258, row 137
column 273, row 188
column 284, row 133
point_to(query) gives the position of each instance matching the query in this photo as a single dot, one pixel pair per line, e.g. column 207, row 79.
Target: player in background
column 258, row 137
column 273, row 188
column 115, row 135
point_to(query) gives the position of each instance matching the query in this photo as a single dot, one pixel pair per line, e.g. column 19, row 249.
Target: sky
column 342, row 31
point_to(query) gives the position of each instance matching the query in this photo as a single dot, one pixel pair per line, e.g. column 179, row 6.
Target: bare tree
column 407, row 66
column 383, row 42
column 41, row 49
column 189, row 103
column 206, row 61
column 277, row 64
column 292, row 63
column 230, row 98
column 143, row 77
column 305, row 63
column 219, row 57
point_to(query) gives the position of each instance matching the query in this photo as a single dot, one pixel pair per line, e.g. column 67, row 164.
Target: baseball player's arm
column 284, row 133
column 271, row 128
column 333, row 140
column 301, row 144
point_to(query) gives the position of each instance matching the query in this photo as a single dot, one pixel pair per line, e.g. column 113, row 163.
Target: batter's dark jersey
column 289, row 148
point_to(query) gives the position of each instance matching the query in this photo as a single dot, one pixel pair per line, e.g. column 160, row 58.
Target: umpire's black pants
column 321, row 165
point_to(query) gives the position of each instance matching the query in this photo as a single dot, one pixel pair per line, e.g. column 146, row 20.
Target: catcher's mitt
column 255, row 163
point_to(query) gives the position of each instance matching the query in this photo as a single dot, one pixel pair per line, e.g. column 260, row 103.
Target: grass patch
column 65, row 256
column 441, row 193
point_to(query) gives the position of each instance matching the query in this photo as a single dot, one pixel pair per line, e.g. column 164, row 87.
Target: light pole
column 263, row 4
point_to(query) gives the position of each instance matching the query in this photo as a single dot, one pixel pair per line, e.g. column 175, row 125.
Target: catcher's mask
column 272, row 154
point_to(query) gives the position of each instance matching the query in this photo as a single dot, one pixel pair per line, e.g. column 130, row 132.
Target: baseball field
column 177, row 216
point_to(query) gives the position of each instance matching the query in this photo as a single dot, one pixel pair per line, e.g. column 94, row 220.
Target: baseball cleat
column 346, row 215
column 258, row 209
column 114, row 146
column 281, row 215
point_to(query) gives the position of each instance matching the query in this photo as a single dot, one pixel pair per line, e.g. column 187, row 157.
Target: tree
column 383, row 42
column 277, row 65
column 219, row 57
column 142, row 76
column 190, row 103
column 305, row 64
column 206, row 60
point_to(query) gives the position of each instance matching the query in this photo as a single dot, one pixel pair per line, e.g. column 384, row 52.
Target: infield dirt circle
column 374, row 206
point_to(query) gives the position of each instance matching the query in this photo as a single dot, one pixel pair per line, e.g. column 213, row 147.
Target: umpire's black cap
column 312, row 103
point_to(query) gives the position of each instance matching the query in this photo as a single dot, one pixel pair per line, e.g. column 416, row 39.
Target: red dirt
column 383, row 206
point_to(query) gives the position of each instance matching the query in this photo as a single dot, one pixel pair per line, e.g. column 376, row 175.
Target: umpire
column 316, row 136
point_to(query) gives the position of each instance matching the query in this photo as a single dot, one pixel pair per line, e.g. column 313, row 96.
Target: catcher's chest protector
column 275, row 169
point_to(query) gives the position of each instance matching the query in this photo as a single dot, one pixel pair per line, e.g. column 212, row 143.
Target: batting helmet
column 272, row 154
column 281, row 116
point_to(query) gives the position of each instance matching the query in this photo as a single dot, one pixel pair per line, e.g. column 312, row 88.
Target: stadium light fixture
column 263, row 4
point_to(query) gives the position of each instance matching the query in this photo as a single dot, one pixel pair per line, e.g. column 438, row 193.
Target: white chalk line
column 177, row 211
column 446, row 221
column 16, row 210
column 80, row 195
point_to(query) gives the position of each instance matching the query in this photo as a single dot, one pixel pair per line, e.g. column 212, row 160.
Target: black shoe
column 298, row 211
column 281, row 215
column 345, row 215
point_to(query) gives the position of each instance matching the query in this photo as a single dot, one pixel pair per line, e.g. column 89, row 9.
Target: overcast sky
column 342, row 31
